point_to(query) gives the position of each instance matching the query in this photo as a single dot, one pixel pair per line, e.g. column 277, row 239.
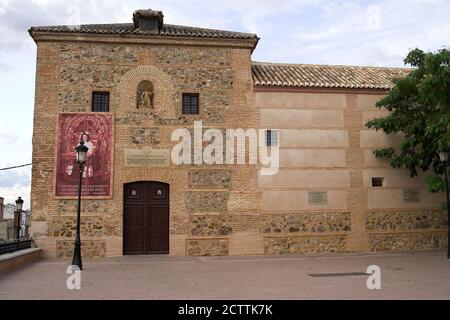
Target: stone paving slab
column 420, row 275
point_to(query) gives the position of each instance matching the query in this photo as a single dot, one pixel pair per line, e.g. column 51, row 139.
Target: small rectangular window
column 271, row 138
column 100, row 101
column 377, row 182
column 190, row 103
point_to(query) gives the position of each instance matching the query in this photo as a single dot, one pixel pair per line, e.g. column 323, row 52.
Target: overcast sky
column 377, row 33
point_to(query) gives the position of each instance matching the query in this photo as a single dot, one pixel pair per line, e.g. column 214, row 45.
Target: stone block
column 207, row 247
column 305, row 245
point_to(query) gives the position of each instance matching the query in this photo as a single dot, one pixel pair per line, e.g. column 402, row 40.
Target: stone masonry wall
column 407, row 230
column 305, row 245
column 205, row 201
column 218, row 209
column 325, row 148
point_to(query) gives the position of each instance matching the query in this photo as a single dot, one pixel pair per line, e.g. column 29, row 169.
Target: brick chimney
column 148, row 20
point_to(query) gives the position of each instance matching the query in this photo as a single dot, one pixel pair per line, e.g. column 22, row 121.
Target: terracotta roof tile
column 324, row 76
column 168, row 30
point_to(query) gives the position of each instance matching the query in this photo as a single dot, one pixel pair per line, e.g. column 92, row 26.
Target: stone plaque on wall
column 317, row 197
column 147, row 157
column 411, row 195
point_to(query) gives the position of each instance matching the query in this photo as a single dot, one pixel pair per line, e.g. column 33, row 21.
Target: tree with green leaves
column 419, row 106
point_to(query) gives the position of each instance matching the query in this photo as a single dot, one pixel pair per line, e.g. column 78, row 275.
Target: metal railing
column 10, row 246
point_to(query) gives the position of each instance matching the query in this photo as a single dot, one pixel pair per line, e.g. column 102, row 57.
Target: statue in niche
column 145, row 95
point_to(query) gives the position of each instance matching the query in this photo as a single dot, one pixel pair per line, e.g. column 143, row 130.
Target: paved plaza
column 420, row 275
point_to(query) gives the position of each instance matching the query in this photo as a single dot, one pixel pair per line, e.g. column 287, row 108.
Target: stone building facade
column 322, row 198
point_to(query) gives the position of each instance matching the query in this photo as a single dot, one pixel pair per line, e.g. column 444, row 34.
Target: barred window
column 377, row 182
column 190, row 103
column 271, row 138
column 100, row 101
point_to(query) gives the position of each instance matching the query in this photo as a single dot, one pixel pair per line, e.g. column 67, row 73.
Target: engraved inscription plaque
column 317, row 197
column 411, row 195
column 147, row 157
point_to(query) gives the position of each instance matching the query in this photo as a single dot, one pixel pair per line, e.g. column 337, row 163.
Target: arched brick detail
column 163, row 99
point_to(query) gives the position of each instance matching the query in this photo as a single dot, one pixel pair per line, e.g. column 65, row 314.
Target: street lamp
column 19, row 205
column 443, row 156
column 81, row 151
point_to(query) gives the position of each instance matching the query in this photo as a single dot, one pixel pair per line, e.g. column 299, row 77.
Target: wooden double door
column 146, row 218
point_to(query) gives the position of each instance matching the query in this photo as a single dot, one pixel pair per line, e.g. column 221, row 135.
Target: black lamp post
column 81, row 150
column 19, row 205
column 443, row 156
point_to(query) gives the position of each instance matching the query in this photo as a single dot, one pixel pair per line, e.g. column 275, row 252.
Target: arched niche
column 146, row 77
column 145, row 94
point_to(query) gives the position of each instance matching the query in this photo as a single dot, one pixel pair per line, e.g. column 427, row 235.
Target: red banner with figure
column 97, row 132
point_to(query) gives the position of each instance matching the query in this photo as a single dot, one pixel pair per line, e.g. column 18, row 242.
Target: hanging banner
column 97, row 132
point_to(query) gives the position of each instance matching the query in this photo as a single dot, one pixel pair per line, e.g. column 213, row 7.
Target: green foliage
column 419, row 106
column 435, row 183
